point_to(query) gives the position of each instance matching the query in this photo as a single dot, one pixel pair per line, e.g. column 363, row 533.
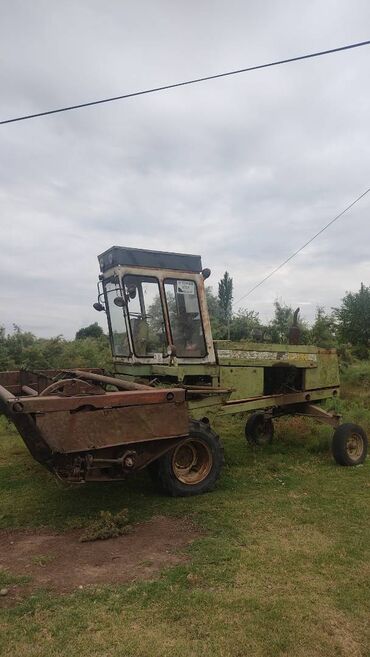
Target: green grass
column 282, row 570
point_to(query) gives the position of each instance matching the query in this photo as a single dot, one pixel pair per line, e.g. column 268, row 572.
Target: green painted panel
column 325, row 374
column 277, row 400
column 265, row 346
column 247, row 381
column 179, row 371
column 132, row 370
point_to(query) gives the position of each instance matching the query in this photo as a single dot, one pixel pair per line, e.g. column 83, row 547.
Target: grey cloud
column 242, row 170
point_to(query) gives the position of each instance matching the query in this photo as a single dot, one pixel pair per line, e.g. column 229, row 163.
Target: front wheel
column 194, row 465
column 349, row 444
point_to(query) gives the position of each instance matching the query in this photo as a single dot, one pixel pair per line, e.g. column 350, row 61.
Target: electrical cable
column 187, row 82
column 303, row 246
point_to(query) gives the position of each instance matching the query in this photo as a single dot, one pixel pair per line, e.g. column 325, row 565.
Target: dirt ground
column 60, row 562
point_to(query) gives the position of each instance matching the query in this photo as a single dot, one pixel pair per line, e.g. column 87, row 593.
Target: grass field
column 282, row 568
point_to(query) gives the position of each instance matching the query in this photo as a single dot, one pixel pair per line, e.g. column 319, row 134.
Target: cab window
column 118, row 321
column 185, row 319
column 145, row 314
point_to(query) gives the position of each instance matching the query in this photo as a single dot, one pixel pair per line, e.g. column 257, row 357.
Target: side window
column 118, row 322
column 185, row 319
column 145, row 314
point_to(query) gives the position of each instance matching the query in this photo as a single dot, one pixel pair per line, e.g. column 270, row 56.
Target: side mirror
column 98, row 306
column 118, row 301
column 206, row 273
column 132, row 291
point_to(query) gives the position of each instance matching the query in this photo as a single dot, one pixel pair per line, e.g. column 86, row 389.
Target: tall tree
column 225, row 299
column 353, row 317
column 323, row 329
column 281, row 323
column 219, row 327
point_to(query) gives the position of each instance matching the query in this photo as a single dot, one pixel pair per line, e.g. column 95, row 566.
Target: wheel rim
column 355, row 446
column 192, row 462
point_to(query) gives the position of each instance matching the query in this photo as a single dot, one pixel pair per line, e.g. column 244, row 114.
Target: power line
column 304, row 245
column 188, row 82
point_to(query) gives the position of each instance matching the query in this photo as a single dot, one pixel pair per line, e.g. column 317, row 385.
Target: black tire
column 349, row 445
column 259, row 430
column 152, row 470
column 194, row 465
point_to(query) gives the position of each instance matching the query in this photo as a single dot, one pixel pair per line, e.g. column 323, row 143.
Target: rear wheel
column 194, row 465
column 259, row 430
column 349, row 444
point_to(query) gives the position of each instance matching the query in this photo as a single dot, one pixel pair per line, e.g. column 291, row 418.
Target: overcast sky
column 242, row 170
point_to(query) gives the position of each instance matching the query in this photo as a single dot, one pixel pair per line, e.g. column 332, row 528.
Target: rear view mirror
column 98, row 306
column 132, row 291
column 118, row 301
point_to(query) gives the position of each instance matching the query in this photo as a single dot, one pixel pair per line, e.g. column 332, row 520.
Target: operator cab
column 156, row 306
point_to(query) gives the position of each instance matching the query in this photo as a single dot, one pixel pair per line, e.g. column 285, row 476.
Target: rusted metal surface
column 71, row 387
column 29, row 391
column 113, row 463
column 47, row 404
column 108, row 380
column 14, row 380
column 314, row 411
column 82, row 432
column 6, row 395
column 27, row 428
column 191, row 461
column 92, row 429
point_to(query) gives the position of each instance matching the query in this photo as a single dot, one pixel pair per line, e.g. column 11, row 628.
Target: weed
column 42, row 559
column 107, row 525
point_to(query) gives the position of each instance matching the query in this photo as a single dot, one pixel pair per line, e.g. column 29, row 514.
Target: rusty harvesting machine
column 171, row 381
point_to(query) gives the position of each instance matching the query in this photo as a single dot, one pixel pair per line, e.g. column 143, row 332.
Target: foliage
column 345, row 356
column 225, row 297
column 241, row 326
column 323, row 329
column 91, row 331
column 282, row 322
column 245, row 325
column 23, row 350
column 219, row 327
column 347, row 328
column 353, row 318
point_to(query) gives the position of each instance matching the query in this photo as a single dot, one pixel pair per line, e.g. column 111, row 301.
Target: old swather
column 171, row 382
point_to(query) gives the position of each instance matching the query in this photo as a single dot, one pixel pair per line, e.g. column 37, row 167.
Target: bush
column 361, row 352
column 23, row 350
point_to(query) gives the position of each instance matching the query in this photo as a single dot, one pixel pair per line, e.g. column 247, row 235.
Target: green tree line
column 342, row 327
column 347, row 325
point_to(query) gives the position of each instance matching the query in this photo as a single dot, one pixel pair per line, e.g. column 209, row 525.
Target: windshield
column 146, row 315
column 118, row 328
column 185, row 320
